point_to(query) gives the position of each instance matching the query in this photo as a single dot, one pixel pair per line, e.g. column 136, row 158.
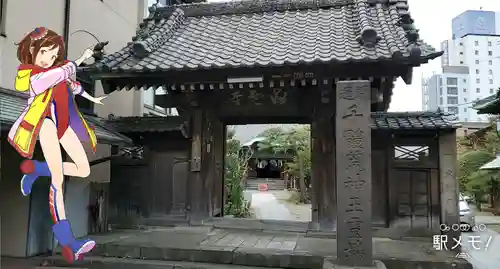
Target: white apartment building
column 475, row 45
column 450, row 92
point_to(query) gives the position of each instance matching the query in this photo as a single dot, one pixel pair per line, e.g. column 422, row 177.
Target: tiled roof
column 414, row 120
column 12, row 104
column 148, row 124
column 271, row 33
column 488, row 105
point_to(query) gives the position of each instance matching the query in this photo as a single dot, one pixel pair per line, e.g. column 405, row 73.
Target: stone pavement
column 261, row 248
column 483, row 247
column 266, row 206
column 274, row 205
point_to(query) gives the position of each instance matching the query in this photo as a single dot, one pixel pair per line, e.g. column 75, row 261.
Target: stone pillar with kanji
column 450, row 215
column 353, row 173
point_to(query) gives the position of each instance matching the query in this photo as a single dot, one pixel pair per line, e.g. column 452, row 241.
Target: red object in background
column 263, row 187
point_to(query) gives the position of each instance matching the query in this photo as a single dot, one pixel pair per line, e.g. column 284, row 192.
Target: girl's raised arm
column 76, row 87
column 46, row 80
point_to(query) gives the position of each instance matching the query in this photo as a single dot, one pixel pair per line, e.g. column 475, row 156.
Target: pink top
column 41, row 82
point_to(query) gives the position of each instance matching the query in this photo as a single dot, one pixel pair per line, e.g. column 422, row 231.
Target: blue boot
column 32, row 170
column 72, row 249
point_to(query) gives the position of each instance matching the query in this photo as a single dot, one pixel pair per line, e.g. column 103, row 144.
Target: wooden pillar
column 449, row 186
column 219, row 138
column 324, row 199
column 353, row 170
column 195, row 190
column 208, row 161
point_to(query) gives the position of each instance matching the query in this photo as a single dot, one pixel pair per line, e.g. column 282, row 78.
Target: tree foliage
column 234, row 177
column 298, row 141
column 471, row 158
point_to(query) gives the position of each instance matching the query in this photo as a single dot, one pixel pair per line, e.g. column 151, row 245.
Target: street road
column 480, row 253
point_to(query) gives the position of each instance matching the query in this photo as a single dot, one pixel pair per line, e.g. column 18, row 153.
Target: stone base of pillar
column 332, row 265
column 196, row 222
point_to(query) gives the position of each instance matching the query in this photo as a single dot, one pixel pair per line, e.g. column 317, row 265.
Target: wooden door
column 413, row 206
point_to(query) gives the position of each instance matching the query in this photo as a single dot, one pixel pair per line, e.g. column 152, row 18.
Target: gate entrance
column 276, row 171
column 256, row 62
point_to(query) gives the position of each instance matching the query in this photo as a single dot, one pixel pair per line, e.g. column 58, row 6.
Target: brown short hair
column 39, row 38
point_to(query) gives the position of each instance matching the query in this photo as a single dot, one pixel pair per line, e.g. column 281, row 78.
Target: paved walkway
column 266, row 206
column 483, row 247
column 275, row 205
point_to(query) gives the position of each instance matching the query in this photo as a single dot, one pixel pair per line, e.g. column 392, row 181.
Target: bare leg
column 72, row 248
column 52, row 153
column 72, row 145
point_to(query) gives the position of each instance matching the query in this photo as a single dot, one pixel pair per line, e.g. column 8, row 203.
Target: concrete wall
column 119, row 18
column 114, row 21
column 14, row 207
column 21, row 17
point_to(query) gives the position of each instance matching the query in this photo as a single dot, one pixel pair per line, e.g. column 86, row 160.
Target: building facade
column 475, row 44
column 25, row 229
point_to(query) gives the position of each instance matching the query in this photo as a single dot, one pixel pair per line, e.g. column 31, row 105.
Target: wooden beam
column 216, row 76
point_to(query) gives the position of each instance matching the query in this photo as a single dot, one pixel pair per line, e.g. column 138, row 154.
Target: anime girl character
column 51, row 115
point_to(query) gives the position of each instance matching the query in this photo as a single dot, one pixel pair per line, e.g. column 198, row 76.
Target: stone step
column 213, row 255
column 272, row 184
column 128, row 263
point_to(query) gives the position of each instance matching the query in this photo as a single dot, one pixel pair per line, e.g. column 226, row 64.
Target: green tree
column 472, row 157
column 298, row 141
column 234, row 178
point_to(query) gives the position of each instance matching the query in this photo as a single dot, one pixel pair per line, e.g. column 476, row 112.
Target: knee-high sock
column 53, row 204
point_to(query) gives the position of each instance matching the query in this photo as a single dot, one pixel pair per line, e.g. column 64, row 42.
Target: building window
column 490, row 53
column 461, row 43
column 461, row 53
column 465, row 119
column 465, row 100
column 490, row 72
column 149, row 100
column 149, row 97
column 478, row 90
column 491, row 91
column 478, row 80
column 465, row 109
column 452, row 90
column 476, row 52
column 465, row 90
column 477, row 71
column 489, row 43
column 491, row 81
column 461, row 62
column 453, row 109
column 477, row 61
column 451, row 81
column 476, row 43
column 440, row 100
column 3, row 16
column 452, row 100
column 465, row 80
column 490, row 62
column 440, row 91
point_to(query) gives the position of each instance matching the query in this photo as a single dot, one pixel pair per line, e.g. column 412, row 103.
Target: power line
column 120, row 15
